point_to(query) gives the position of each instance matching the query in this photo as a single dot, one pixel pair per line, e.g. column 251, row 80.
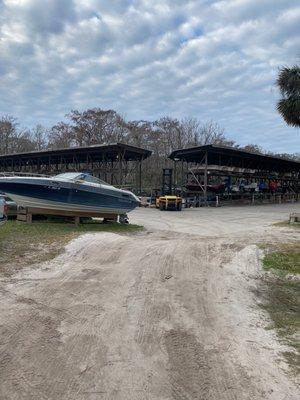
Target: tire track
column 189, row 370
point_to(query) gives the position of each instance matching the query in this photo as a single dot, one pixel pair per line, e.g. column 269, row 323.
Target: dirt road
column 163, row 315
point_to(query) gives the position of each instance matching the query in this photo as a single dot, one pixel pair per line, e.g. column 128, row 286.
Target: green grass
column 24, row 244
column 284, row 259
column 284, row 306
column 282, row 301
column 281, row 296
column 286, row 224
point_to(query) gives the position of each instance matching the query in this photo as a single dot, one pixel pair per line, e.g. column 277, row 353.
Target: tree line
column 162, row 136
column 97, row 126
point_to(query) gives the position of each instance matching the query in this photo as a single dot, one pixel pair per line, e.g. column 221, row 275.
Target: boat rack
column 118, row 164
column 214, row 161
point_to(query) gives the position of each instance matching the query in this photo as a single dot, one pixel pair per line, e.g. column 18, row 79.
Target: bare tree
column 61, row 136
column 190, row 129
column 12, row 138
column 23, row 142
column 8, row 133
column 97, row 126
column 253, row 148
column 39, row 136
column 212, row 133
column 167, row 134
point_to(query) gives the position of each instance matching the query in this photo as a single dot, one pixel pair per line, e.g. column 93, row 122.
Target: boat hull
column 65, row 196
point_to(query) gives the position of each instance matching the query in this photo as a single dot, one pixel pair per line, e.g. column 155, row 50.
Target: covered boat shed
column 116, row 163
column 205, row 162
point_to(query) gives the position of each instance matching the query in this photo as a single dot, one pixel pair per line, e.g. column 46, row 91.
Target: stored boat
column 197, row 187
column 71, row 192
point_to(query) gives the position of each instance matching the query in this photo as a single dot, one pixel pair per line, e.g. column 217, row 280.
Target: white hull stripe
column 51, row 205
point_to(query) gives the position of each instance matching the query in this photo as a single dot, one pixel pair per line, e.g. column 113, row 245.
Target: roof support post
column 182, row 177
column 205, row 178
column 175, row 177
column 112, row 173
column 140, row 176
column 120, row 169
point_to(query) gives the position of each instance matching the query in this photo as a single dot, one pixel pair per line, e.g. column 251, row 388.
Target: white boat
column 72, row 192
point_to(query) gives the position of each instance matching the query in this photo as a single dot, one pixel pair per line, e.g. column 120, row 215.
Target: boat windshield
column 75, row 176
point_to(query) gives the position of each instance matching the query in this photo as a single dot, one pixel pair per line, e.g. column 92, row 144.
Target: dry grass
column 24, row 244
column 286, row 224
column 281, row 296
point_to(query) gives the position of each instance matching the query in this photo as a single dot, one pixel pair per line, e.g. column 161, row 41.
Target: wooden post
column 182, row 173
column 175, row 178
column 140, row 176
column 112, row 173
column 205, row 178
column 120, row 169
column 29, row 218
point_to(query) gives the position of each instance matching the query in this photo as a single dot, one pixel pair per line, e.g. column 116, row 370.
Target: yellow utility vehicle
column 169, row 203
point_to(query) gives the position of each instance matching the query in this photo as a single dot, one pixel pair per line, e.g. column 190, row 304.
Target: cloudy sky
column 215, row 60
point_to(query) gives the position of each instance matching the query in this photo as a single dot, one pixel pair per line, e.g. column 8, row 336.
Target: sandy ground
column 167, row 314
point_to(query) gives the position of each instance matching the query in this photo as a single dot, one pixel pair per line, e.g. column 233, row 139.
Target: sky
column 214, row 60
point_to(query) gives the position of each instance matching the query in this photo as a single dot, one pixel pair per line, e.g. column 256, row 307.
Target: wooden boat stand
column 25, row 214
column 294, row 218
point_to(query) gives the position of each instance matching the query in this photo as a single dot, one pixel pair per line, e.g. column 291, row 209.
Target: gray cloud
column 210, row 59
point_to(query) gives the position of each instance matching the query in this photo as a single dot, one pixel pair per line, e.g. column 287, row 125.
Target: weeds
column 24, row 244
column 282, row 296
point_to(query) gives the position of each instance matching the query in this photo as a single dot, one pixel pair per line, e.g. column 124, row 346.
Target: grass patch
column 284, row 306
column 282, row 302
column 286, row 224
column 281, row 296
column 24, row 244
column 285, row 258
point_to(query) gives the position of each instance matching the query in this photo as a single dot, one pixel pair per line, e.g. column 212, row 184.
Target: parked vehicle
column 145, row 201
column 168, row 203
column 12, row 208
column 3, row 211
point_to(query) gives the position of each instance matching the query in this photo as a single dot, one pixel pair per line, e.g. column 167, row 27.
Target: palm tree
column 288, row 82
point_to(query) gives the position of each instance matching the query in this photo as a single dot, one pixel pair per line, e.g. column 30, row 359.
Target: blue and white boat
column 71, row 192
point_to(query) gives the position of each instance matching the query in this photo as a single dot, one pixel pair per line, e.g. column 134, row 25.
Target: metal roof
column 227, row 156
column 110, row 151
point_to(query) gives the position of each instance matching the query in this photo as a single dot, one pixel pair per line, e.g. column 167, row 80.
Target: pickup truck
column 3, row 211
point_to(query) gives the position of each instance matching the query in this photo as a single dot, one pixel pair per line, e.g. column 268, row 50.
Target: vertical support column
column 87, row 162
column 175, row 178
column 105, row 173
column 205, row 178
column 112, row 173
column 103, row 164
column 140, row 176
column 182, row 178
column 120, row 169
